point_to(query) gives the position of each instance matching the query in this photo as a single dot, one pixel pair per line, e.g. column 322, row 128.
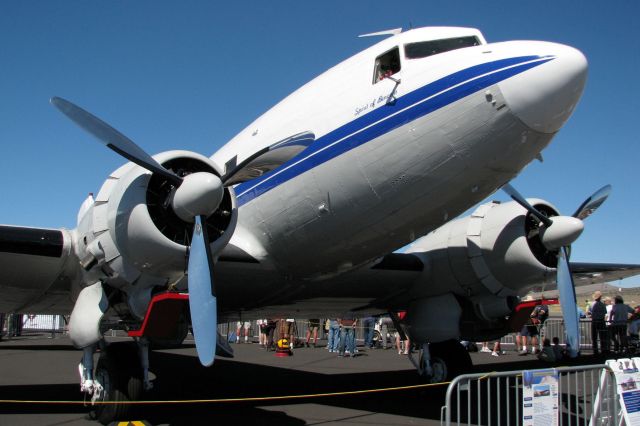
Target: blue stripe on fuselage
column 384, row 119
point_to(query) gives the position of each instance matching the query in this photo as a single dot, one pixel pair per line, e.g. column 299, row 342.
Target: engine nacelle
column 475, row 267
column 131, row 239
column 496, row 251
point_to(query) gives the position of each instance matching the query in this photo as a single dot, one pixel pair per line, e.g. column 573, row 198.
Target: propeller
column 558, row 233
column 194, row 198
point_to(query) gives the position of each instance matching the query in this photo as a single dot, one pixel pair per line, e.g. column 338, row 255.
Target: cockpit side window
column 429, row 48
column 386, row 65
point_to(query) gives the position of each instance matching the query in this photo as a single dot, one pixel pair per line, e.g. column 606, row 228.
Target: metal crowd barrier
column 586, row 395
column 555, row 328
column 299, row 330
column 29, row 325
column 39, row 324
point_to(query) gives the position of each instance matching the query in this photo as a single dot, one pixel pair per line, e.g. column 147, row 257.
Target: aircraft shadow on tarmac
column 65, row 348
column 180, row 377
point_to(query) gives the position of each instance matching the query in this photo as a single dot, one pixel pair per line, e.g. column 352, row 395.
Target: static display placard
column 627, row 373
column 540, row 397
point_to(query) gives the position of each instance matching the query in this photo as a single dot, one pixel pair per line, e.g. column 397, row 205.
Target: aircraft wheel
column 377, row 339
column 120, row 374
column 448, row 360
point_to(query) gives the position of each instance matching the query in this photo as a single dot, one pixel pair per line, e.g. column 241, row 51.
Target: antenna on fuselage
column 394, row 31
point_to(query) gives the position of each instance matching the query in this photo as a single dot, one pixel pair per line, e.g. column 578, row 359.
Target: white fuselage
column 399, row 140
column 392, row 161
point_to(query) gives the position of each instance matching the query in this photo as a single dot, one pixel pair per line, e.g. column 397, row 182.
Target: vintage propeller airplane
column 302, row 211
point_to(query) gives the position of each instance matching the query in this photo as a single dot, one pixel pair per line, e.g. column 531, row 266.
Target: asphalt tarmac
column 43, row 369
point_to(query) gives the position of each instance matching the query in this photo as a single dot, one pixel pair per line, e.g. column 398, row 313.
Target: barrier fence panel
column 38, row 324
column 32, row 324
column 555, row 328
column 299, row 330
column 586, row 396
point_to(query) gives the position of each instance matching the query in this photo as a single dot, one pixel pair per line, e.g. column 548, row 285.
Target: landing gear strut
column 121, row 377
column 443, row 361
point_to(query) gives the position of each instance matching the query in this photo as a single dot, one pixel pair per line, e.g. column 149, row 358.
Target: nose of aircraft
column 544, row 97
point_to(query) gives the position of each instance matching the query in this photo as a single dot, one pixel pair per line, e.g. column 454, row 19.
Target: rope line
column 225, row 400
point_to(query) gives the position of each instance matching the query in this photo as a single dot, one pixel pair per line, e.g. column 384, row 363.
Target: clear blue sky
column 190, row 75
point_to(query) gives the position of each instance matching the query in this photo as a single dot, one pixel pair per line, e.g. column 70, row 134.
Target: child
column 547, row 354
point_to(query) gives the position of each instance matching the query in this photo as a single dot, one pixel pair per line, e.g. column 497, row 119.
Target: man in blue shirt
column 597, row 312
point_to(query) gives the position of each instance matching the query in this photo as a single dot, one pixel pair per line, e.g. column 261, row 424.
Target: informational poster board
column 540, row 397
column 627, row 373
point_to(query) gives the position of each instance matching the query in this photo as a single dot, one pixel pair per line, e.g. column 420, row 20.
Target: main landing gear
column 443, row 361
column 122, row 371
column 120, row 377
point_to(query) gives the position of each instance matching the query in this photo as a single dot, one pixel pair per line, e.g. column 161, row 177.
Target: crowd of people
column 339, row 332
column 614, row 328
column 614, row 325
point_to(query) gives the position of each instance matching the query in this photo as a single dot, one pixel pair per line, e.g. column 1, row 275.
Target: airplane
column 304, row 211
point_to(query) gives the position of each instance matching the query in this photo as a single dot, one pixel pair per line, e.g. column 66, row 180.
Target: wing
column 253, row 288
column 597, row 273
column 589, row 277
column 35, row 270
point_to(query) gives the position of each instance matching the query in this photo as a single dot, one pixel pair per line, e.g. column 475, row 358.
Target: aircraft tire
column 119, row 372
column 377, row 339
column 449, row 359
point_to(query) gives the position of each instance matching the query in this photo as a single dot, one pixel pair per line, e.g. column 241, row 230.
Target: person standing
column 399, row 341
column 386, row 328
column 16, row 325
column 270, row 330
column 243, row 325
column 539, row 316
column 334, row 335
column 368, row 324
column 312, row 329
column 262, row 328
column 619, row 315
column 348, row 323
column 598, row 311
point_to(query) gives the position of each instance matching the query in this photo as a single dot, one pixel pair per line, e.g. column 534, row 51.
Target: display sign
column 540, row 397
column 627, row 374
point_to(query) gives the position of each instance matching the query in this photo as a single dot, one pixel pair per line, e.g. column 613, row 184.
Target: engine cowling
column 496, row 250
column 479, row 264
column 131, row 239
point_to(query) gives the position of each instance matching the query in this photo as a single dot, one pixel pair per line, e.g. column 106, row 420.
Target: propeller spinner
column 558, row 233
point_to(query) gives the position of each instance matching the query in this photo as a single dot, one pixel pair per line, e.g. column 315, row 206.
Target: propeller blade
column 112, row 138
column 592, row 203
column 567, row 293
column 515, row 195
column 202, row 299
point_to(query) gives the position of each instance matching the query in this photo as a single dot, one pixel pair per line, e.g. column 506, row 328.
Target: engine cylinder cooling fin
column 548, row 258
column 159, row 194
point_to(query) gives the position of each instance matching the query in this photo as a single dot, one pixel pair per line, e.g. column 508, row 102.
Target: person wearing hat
column 597, row 312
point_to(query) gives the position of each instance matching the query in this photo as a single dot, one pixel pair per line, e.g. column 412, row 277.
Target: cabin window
column 429, row 48
column 387, row 65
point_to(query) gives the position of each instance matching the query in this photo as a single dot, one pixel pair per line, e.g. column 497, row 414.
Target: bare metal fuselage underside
column 375, row 199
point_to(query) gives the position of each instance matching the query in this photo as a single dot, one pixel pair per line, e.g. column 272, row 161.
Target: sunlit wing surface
column 597, row 273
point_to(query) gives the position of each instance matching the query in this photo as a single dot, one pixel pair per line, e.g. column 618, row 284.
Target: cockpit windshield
column 423, row 49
